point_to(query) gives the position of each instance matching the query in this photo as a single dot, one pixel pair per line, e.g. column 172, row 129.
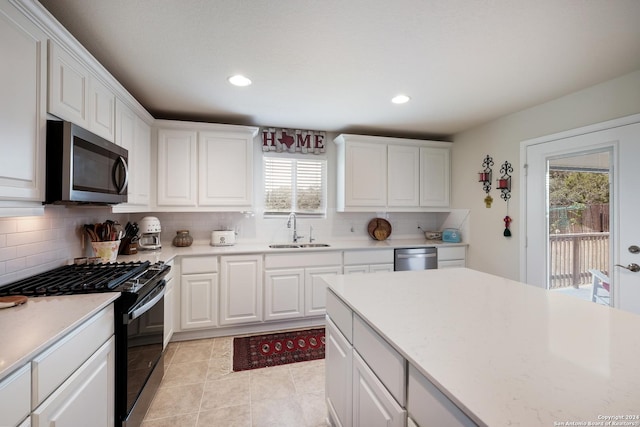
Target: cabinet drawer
column 341, row 315
column 451, row 263
column 429, row 407
column 55, row 365
column 388, row 365
column 199, row 264
column 15, row 394
column 293, row 260
column 384, row 256
column 451, row 252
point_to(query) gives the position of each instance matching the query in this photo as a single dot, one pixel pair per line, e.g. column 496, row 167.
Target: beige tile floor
column 200, row 390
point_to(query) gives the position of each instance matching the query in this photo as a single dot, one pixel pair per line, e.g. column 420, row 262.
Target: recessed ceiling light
column 239, row 80
column 400, row 99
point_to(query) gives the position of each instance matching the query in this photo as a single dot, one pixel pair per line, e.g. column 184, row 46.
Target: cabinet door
column 23, row 80
column 177, row 174
column 338, row 353
column 403, row 170
column 199, row 301
column 15, row 397
column 225, row 169
column 85, row 398
column 141, row 165
column 365, row 175
column 68, row 87
column 316, row 289
column 134, row 134
column 373, row 406
column 240, row 289
column 102, row 109
column 429, row 407
column 434, row 176
column 284, row 294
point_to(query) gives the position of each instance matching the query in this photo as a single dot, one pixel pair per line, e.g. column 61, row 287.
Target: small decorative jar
column 182, row 239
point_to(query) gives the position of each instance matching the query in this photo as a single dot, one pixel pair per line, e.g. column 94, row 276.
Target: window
column 295, row 185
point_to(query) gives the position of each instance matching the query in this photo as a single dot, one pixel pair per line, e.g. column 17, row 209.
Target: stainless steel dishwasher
column 415, row 259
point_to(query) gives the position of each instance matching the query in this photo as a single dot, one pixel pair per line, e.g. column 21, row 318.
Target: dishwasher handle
column 405, row 256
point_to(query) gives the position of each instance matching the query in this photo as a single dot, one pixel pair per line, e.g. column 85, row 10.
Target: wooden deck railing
column 573, row 255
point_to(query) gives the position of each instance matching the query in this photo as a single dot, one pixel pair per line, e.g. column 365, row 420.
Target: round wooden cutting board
column 12, row 301
column 379, row 229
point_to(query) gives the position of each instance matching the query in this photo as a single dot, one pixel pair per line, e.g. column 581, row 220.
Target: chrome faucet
column 311, row 239
column 295, row 229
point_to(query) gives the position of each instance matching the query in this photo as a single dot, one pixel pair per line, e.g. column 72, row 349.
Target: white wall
column 489, row 250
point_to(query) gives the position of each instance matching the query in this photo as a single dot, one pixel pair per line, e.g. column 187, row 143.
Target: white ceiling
column 334, row 65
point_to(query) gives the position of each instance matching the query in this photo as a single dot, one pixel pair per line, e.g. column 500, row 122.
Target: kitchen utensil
column 12, row 301
column 379, row 229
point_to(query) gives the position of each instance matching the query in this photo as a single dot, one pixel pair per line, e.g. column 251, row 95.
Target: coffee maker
column 149, row 233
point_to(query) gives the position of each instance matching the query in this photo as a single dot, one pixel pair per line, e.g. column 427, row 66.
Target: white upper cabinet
column 365, row 174
column 391, row 174
column 177, row 174
column 204, row 166
column 435, row 170
column 403, row 170
column 77, row 96
column 134, row 134
column 225, row 169
column 23, row 82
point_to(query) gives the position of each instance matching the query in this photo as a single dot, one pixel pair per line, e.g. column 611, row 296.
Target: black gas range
column 139, row 322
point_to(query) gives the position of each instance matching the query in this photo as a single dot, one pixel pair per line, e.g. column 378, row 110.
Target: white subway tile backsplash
column 8, row 253
column 8, row 225
column 32, row 245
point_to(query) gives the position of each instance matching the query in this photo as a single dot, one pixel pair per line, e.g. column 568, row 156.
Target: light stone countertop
column 505, row 352
column 28, row 329
column 168, row 252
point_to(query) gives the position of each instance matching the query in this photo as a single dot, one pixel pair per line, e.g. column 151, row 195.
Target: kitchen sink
column 298, row 246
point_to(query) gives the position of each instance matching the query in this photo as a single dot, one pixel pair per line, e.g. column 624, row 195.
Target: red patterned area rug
column 260, row 351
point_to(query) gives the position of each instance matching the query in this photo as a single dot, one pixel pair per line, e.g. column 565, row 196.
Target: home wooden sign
column 293, row 141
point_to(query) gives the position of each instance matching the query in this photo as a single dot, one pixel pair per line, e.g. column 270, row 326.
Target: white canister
column 223, row 238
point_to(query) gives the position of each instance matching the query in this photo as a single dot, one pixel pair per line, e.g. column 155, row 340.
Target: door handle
column 631, row 267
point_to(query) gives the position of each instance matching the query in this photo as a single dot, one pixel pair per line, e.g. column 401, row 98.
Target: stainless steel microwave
column 84, row 168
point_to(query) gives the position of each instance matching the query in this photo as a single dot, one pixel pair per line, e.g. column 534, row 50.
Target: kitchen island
column 498, row 352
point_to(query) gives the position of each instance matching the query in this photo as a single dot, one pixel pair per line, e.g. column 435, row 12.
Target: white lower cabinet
column 452, row 256
column 293, row 288
column 70, row 384
column 240, row 289
column 362, row 389
column 368, row 261
column 85, row 398
column 15, row 397
column 373, row 405
column 199, row 292
column 284, row 294
column 429, row 407
column 315, row 290
column 338, row 355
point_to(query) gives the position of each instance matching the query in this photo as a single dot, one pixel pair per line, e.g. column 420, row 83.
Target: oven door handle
column 148, row 305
